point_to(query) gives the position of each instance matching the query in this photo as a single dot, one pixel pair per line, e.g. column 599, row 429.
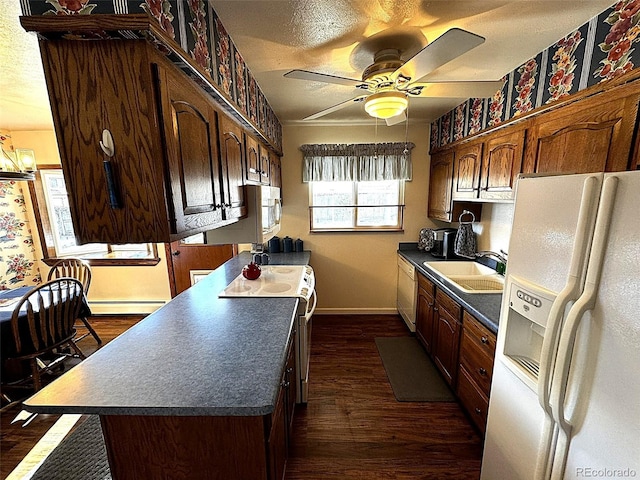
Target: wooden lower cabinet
column 477, row 351
column 447, row 336
column 290, row 384
column 425, row 324
column 475, row 402
column 461, row 347
column 277, row 443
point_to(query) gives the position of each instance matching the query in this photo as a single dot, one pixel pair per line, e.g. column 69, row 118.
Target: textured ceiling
column 337, row 37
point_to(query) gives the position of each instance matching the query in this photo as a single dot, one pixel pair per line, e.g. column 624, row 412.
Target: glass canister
column 298, row 246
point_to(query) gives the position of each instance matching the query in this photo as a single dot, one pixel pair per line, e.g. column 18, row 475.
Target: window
column 57, row 234
column 356, row 187
column 356, row 206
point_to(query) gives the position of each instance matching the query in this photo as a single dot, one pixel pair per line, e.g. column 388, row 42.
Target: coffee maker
column 443, row 243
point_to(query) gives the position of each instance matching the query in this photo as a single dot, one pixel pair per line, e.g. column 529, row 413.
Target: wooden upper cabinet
column 258, row 162
column 265, row 165
column 96, row 86
column 468, row 159
column 163, row 180
column 253, row 160
column 440, row 180
column 232, row 158
column 275, row 175
column 190, row 132
column 585, row 137
column 501, row 164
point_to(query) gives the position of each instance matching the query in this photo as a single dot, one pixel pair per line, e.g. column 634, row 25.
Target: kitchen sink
column 470, row 277
column 479, row 284
column 459, row 268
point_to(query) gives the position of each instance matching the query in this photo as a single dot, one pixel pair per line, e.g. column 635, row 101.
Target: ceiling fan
column 389, row 82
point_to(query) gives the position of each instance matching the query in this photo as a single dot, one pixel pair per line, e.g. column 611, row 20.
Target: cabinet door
column 586, row 138
column 275, row 174
column 425, row 323
column 232, row 157
column 440, row 181
column 447, row 342
column 501, row 165
column 253, row 160
column 277, row 443
column 291, row 382
column 191, row 143
column 101, row 85
column 265, row 165
column 467, row 171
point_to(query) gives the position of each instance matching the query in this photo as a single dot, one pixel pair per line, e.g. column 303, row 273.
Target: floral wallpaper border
column 602, row 49
column 196, row 27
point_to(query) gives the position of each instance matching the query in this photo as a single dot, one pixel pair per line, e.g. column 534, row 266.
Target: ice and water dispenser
column 527, row 314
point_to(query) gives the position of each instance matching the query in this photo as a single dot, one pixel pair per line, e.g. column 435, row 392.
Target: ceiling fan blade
column 397, row 119
column 323, row 77
column 335, row 108
column 458, row 89
column 446, row 47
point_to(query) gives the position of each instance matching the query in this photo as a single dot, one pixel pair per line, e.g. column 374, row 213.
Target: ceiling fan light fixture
column 386, row 104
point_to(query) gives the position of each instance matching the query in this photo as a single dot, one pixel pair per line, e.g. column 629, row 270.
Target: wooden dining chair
column 80, row 270
column 43, row 326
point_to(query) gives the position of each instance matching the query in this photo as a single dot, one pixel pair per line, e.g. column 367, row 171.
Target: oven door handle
column 309, row 312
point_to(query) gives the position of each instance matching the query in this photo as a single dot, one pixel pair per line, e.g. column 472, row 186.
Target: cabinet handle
column 478, row 411
column 290, row 369
column 253, row 170
column 285, row 384
column 112, row 189
column 430, row 304
column 175, row 254
column 484, row 340
column 482, row 371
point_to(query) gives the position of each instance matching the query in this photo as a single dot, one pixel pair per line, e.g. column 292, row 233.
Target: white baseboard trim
column 124, row 307
column 356, row 311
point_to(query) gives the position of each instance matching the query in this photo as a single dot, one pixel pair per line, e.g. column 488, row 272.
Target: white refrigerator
column 565, row 395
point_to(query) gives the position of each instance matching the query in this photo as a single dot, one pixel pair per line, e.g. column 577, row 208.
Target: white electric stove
column 285, row 281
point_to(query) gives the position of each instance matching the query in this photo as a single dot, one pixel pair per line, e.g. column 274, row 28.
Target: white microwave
column 264, row 210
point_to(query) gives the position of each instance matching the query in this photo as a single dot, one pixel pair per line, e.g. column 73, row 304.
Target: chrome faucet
column 501, row 257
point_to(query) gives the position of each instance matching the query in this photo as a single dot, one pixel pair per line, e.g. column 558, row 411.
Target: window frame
column 47, row 236
column 400, row 205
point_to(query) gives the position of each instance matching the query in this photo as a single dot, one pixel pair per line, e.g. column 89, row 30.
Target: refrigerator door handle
column 569, row 293
column 585, row 302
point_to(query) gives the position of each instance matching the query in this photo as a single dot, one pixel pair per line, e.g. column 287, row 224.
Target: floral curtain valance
column 360, row 162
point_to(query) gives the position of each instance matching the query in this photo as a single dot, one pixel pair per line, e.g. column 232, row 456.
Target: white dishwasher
column 407, row 292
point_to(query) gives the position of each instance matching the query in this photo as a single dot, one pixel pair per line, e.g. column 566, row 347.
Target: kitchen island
column 193, row 390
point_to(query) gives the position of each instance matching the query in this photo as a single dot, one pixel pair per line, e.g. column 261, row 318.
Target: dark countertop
column 485, row 307
column 197, row 355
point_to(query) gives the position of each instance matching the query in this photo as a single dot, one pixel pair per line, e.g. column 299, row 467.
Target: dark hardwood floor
column 352, row 427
